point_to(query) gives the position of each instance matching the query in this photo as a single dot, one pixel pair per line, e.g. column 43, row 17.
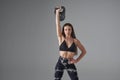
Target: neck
column 68, row 37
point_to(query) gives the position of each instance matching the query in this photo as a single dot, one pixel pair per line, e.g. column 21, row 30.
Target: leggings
column 62, row 64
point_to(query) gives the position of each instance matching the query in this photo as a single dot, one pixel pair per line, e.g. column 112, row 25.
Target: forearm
column 81, row 56
column 58, row 27
column 57, row 19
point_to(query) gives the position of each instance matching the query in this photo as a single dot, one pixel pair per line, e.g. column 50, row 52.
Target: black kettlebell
column 62, row 13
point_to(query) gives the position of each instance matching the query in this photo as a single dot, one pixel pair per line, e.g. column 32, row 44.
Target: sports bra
column 64, row 47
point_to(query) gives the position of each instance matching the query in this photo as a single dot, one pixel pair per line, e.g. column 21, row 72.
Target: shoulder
column 61, row 39
column 76, row 41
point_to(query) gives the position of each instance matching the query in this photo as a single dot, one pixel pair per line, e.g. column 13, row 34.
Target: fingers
column 59, row 9
column 72, row 61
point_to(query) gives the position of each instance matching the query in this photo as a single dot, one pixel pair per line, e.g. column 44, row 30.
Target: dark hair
column 72, row 33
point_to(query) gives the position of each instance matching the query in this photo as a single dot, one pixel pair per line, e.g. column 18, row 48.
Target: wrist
column 57, row 13
column 77, row 59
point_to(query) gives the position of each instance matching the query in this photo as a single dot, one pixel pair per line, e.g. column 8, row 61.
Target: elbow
column 84, row 52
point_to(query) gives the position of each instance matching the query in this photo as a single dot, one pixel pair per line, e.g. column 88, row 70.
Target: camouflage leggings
column 63, row 64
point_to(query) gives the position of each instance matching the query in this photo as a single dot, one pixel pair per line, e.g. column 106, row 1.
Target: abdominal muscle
column 67, row 54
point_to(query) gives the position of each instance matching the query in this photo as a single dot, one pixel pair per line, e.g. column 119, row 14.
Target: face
column 67, row 30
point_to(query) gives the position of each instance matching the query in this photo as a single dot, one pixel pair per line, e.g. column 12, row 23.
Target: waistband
column 62, row 58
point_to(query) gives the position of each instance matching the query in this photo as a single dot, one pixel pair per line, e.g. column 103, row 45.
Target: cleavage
column 68, row 46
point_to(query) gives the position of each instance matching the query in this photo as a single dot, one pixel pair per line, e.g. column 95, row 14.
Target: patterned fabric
column 63, row 64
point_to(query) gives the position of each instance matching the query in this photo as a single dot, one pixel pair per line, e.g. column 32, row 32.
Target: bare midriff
column 67, row 54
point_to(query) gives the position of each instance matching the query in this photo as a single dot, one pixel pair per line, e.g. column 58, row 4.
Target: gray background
column 29, row 46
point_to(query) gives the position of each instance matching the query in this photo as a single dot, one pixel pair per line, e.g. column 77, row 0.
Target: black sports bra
column 64, row 47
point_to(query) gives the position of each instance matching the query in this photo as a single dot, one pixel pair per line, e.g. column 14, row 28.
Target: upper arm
column 80, row 46
column 60, row 39
column 58, row 30
column 59, row 33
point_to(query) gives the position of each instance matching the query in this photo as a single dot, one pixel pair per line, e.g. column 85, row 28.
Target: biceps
column 59, row 39
column 80, row 46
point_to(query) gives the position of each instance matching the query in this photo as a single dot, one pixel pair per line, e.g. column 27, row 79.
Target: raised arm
column 58, row 27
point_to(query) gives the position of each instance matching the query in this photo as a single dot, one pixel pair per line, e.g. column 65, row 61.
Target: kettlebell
column 62, row 12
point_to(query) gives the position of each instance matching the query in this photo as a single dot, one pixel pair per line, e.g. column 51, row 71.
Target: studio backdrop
column 29, row 45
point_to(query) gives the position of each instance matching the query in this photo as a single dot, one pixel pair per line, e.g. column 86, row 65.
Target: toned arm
column 83, row 50
column 58, row 27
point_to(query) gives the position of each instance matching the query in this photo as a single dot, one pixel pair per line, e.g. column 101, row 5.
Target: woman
column 68, row 49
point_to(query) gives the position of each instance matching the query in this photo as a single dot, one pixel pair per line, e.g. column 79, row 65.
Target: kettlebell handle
column 62, row 12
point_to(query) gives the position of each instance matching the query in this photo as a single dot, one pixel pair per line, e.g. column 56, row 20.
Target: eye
column 65, row 29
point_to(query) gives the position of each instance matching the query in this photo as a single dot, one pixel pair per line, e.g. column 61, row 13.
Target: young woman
column 68, row 44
